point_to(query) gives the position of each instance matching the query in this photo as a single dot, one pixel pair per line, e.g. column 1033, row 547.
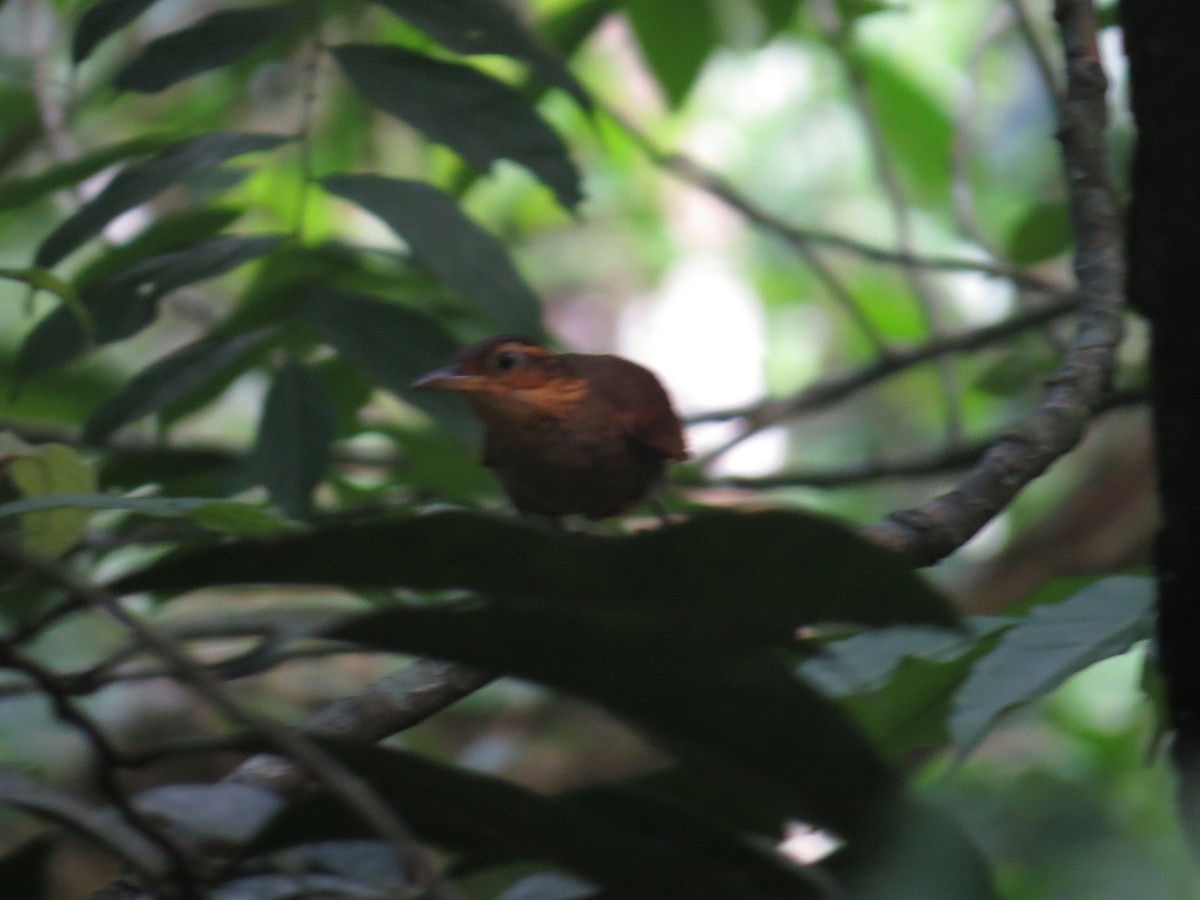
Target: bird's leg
column 655, row 503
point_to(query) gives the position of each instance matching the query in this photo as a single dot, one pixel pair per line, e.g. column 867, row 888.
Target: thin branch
column 323, row 767
column 825, row 393
column 1041, row 59
column 931, row 465
column 930, row 532
column 106, row 759
column 928, row 302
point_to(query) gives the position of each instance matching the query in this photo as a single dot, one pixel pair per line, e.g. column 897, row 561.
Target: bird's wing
column 642, row 406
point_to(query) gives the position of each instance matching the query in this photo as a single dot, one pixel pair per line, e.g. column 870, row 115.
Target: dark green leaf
column 292, row 451
column 676, row 37
column 215, row 41
column 486, row 26
column 138, row 183
column 166, row 380
column 123, row 304
column 391, row 344
column 462, row 255
column 480, row 118
column 101, row 19
column 779, row 14
column 216, row 515
column 1043, row 233
column 19, row 191
column 1052, row 644
column 172, row 232
column 490, row 816
column 24, row 872
column 759, row 576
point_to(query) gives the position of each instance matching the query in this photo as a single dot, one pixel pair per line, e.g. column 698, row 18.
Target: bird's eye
column 507, row 361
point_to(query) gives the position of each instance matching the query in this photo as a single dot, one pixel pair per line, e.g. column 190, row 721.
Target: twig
column 345, row 784
column 687, row 170
column 930, row 532
column 928, row 302
column 942, row 462
column 106, row 759
column 825, row 393
column 1041, row 58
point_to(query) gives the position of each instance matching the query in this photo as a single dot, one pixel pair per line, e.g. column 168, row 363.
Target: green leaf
column 51, row 469
column 125, row 303
column 677, row 37
column 490, row 816
column 754, row 576
column 137, row 183
column 215, row 41
column 463, row 256
column 173, row 232
column 566, row 28
column 779, row 14
column 45, row 280
column 20, row 191
column 1052, row 644
column 298, row 426
column 166, row 380
column 480, row 118
column 1042, row 233
column 102, row 19
column 393, row 345
column 916, row 128
column 218, row 515
column 486, row 26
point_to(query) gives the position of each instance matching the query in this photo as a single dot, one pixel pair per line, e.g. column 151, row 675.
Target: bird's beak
column 447, row 379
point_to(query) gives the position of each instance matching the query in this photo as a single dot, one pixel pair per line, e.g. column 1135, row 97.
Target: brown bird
column 566, row 433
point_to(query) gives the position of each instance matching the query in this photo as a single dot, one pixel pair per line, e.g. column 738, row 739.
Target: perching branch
column 930, row 532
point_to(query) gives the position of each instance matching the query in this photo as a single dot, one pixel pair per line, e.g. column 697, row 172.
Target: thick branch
column 930, row 532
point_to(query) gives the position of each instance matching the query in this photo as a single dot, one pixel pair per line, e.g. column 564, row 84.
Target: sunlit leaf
column 52, row 469
column 215, row 41
column 292, row 451
column 1053, row 643
column 137, row 183
column 462, row 255
column 479, row 117
column 167, row 380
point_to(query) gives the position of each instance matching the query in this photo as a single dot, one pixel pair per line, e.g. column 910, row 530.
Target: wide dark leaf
column 490, row 817
column 482, row 119
column 297, row 427
column 462, row 255
column 138, row 183
column 758, row 575
column 100, row 20
column 391, row 344
column 127, row 302
column 166, row 381
column 486, row 26
column 215, row 41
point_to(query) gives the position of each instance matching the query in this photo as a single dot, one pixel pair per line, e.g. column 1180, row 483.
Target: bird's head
column 509, row 378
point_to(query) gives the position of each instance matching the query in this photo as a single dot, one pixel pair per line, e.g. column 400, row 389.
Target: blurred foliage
column 232, row 235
